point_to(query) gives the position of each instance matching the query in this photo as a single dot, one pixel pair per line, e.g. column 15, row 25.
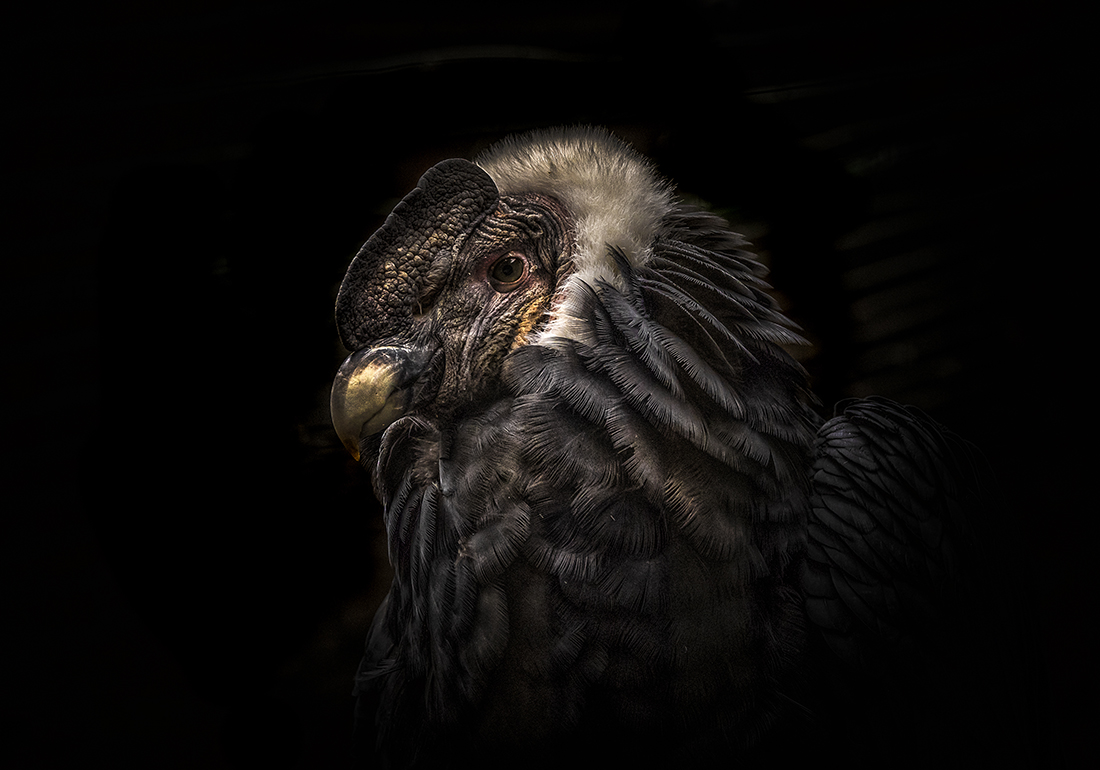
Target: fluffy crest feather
column 615, row 196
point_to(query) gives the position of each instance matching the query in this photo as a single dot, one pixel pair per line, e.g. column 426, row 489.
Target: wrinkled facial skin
column 497, row 295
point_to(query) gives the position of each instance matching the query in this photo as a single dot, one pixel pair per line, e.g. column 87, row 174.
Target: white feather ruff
column 615, row 197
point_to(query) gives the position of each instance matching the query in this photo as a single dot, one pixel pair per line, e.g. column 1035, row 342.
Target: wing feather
column 885, row 513
column 898, row 585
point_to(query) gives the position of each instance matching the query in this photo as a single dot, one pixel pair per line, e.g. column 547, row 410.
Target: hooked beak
column 370, row 391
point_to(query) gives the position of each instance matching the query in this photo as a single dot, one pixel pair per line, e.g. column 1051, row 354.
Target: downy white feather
column 615, row 197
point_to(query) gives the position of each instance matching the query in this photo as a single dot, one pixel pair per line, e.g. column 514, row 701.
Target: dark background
column 190, row 558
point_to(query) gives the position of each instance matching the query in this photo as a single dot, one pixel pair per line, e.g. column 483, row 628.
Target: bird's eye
column 506, row 273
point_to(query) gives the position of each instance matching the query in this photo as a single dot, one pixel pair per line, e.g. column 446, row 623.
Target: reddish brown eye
column 506, row 273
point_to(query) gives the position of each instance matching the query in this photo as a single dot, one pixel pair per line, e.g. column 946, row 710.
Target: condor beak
column 370, row 391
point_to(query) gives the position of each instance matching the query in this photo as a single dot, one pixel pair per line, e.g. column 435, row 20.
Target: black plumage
column 617, row 523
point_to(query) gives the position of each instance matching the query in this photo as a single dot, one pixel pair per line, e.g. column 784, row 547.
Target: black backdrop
column 193, row 560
